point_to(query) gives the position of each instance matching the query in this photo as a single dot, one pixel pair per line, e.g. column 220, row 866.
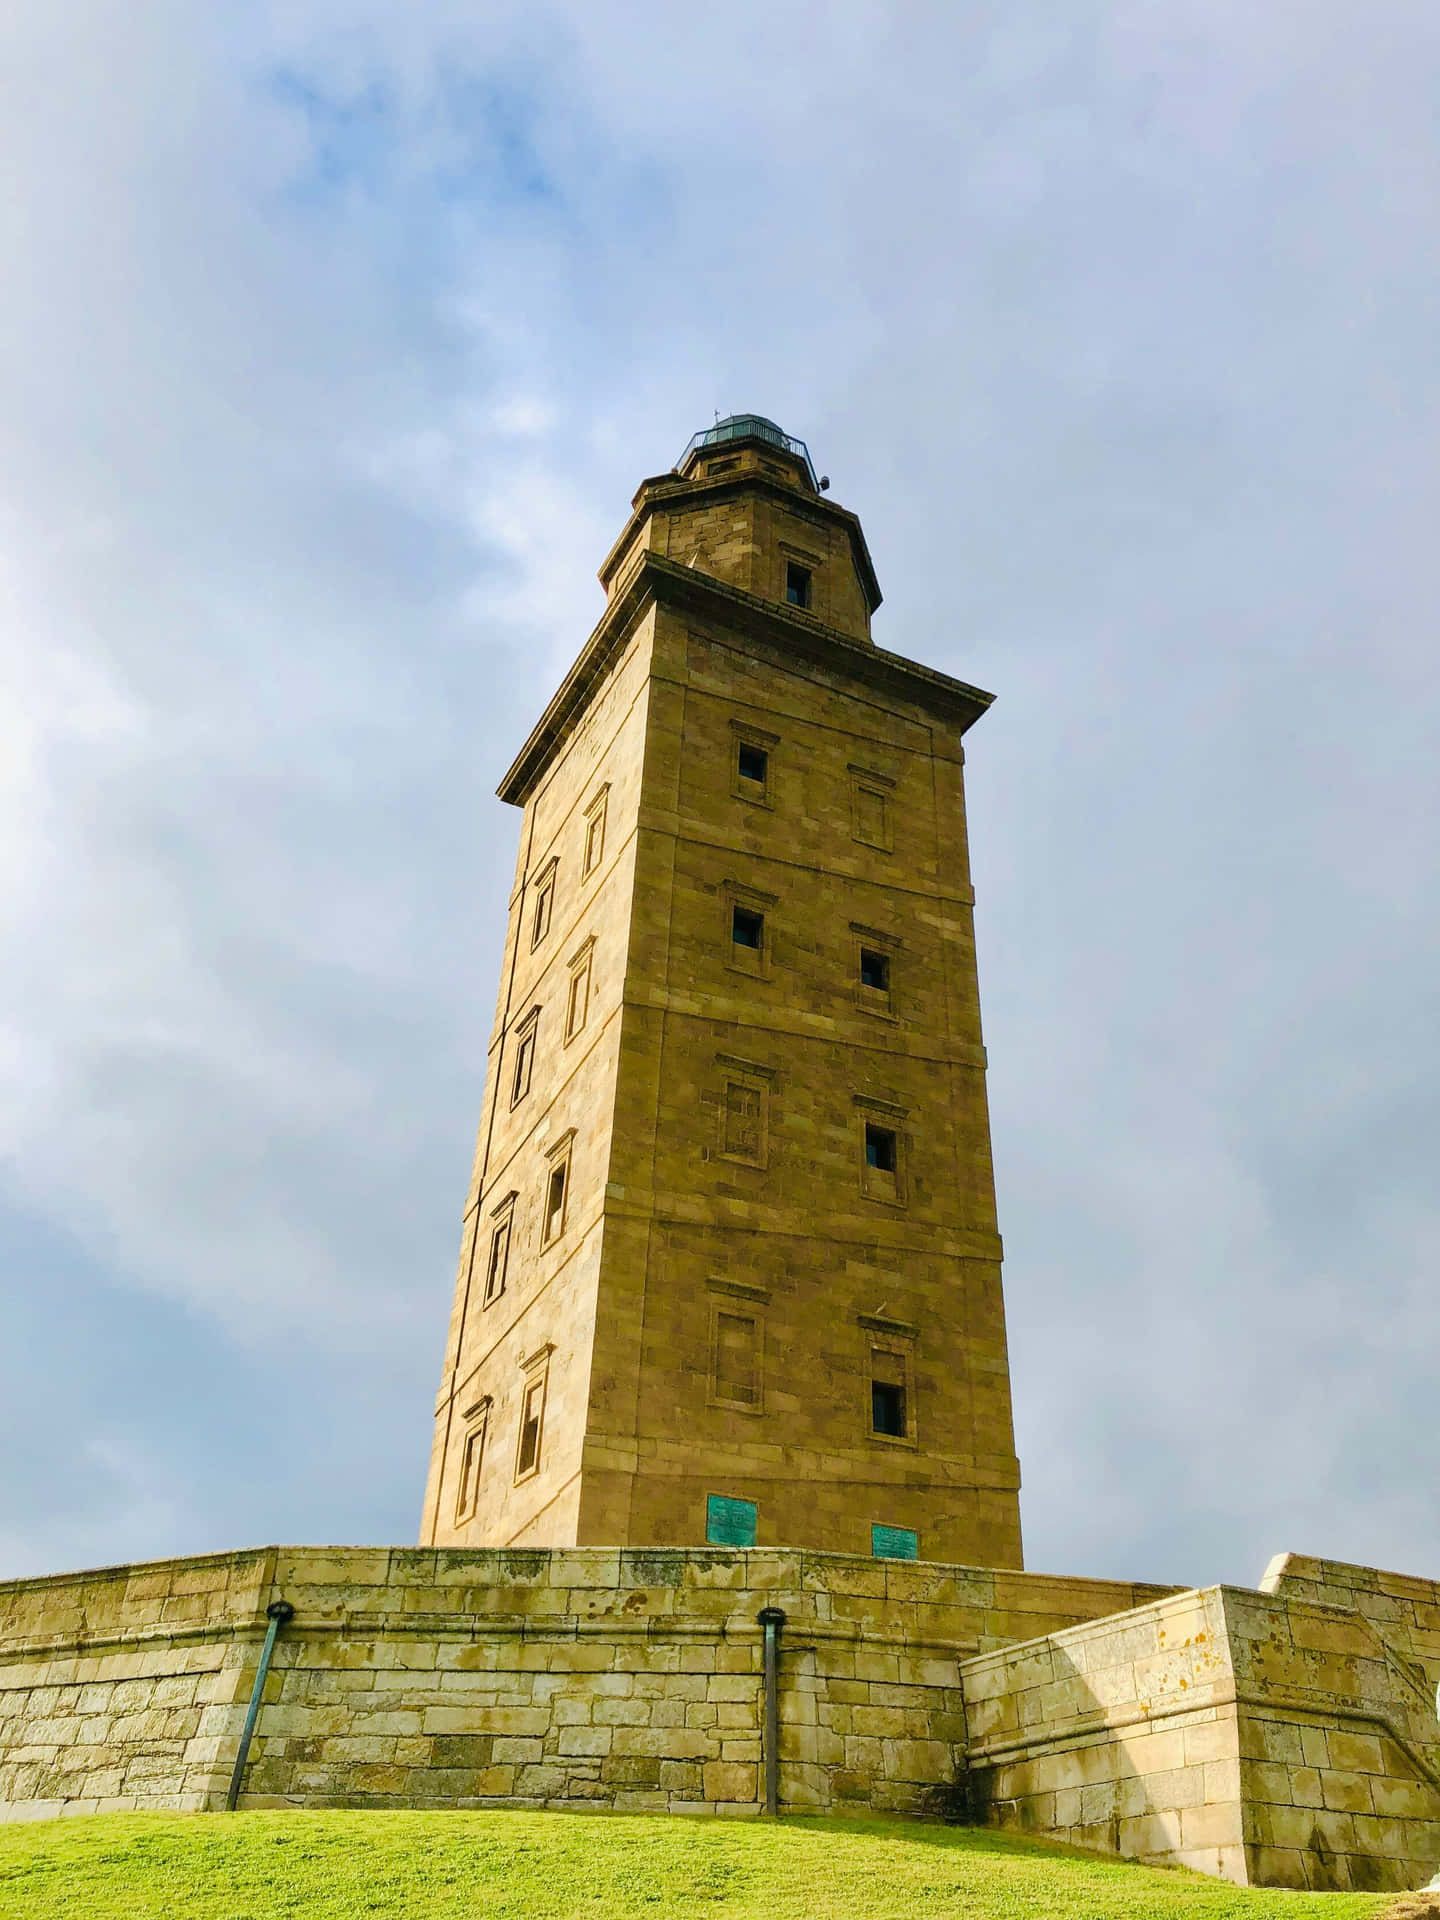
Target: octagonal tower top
column 737, row 427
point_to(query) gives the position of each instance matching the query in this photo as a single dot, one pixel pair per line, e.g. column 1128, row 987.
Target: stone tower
column 730, row 1268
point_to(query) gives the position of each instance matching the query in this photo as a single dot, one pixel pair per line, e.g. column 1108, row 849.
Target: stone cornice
column 785, row 630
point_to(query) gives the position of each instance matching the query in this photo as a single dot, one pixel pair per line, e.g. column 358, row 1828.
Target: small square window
column 747, row 928
column 555, row 1202
column 532, row 1413
column 880, row 1147
column 797, row 584
column 753, row 763
column 887, row 1408
column 874, row 970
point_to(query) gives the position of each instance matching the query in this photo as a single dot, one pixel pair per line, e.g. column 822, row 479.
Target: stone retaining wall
column 1269, row 1739
column 1273, row 1738
column 416, row 1677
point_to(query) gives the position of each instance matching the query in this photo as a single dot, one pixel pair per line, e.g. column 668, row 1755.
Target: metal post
column 772, row 1619
column 277, row 1613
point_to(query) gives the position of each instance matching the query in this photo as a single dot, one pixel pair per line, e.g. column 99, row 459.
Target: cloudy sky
column 336, row 335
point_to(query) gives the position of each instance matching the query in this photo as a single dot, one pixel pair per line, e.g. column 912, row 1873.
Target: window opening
column 747, row 928
column 879, row 1148
column 531, row 1414
column 754, row 763
column 524, row 1063
column 555, row 1202
column 468, row 1497
column 797, row 584
column 887, row 1408
column 544, row 905
column 595, row 833
column 499, row 1260
column 577, row 1001
column 874, row 970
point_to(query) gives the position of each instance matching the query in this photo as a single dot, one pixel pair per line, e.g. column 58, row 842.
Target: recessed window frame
column 578, row 991
column 594, row 846
column 534, row 1394
column 870, row 783
column 890, row 1362
column 740, row 958
column 812, row 565
column 727, row 1314
column 756, row 793
column 497, row 1256
column 558, row 1164
column 472, row 1459
column 748, row 1077
column 799, row 585
column 526, row 1043
column 881, row 1003
column 543, row 912
column 889, row 1186
column 747, row 928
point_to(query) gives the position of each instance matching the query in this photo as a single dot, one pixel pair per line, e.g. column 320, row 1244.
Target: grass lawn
column 565, row 1866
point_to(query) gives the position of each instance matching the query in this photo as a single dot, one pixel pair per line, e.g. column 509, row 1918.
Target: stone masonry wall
column 1119, row 1735
column 418, row 1677
column 1273, row 1740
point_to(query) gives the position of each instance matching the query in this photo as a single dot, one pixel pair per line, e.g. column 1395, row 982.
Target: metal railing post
column 772, row 1619
column 277, row 1613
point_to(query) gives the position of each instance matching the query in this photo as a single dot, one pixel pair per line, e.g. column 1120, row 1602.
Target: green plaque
column 731, row 1523
column 894, row 1543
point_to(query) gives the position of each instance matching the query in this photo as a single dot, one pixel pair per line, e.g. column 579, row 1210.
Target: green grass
column 564, row 1866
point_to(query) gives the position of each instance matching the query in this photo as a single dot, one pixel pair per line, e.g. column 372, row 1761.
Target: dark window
column 887, row 1408
column 747, row 929
column 469, row 1495
column 529, row 1455
column 555, row 1204
column 797, row 584
column 874, row 970
column 524, row 1061
column 544, row 902
column 879, row 1148
column 754, row 763
column 499, row 1261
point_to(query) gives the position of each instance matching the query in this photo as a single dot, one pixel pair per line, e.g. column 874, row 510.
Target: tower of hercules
column 730, row 1268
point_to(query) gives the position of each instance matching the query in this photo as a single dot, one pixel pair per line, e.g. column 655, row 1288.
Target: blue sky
column 336, row 339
